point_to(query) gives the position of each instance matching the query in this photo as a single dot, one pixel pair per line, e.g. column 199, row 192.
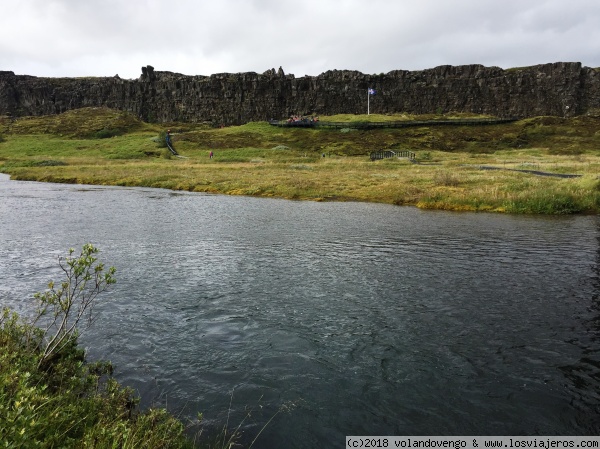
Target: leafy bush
column 49, row 396
column 72, row 301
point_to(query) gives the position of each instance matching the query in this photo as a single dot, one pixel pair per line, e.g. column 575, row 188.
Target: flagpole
column 368, row 101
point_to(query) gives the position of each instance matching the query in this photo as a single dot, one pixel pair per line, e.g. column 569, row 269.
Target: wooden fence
column 307, row 123
column 385, row 154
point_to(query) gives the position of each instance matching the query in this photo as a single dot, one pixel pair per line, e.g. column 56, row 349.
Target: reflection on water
column 368, row 319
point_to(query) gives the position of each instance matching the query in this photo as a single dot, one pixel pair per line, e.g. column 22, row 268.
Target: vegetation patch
column 50, row 396
column 34, row 163
column 107, row 133
column 446, row 178
column 323, row 164
column 78, row 123
column 48, row 163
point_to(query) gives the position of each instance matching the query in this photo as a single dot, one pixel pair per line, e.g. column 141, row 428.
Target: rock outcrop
column 558, row 89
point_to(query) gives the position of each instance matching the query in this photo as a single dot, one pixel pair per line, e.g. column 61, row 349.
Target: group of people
column 302, row 119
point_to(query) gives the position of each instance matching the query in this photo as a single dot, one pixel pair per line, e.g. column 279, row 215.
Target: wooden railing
column 385, row 154
column 307, row 123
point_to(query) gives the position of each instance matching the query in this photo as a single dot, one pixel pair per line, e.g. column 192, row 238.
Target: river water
column 331, row 319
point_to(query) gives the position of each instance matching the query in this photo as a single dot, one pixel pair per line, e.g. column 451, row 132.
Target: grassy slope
column 259, row 159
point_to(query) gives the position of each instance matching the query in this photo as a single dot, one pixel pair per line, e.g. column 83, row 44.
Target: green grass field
column 102, row 146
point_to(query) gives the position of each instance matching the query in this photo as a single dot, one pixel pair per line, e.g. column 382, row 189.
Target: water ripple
column 371, row 319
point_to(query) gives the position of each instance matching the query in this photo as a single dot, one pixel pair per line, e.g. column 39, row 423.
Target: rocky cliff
column 559, row 89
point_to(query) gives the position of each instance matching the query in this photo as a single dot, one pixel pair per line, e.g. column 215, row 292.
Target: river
column 331, row 319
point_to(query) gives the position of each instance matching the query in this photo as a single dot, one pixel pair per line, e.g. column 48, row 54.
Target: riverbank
column 451, row 172
column 68, row 402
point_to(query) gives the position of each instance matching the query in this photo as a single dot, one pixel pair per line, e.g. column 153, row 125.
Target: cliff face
column 559, row 89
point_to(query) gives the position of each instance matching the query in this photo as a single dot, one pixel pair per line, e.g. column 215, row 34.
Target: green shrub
column 49, row 395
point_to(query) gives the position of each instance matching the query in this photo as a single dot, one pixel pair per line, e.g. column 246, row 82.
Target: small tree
column 71, row 302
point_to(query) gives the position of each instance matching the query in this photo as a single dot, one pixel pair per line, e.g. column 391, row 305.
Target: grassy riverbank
column 100, row 146
column 50, row 396
column 71, row 404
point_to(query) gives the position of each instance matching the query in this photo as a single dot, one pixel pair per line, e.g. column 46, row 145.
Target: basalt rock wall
column 558, row 89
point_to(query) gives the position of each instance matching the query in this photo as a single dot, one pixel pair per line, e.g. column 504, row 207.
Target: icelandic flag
column 371, row 91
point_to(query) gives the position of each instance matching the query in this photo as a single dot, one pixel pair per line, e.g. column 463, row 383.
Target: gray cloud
column 105, row 37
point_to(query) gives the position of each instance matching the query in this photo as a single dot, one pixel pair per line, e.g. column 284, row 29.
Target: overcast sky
column 305, row 37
